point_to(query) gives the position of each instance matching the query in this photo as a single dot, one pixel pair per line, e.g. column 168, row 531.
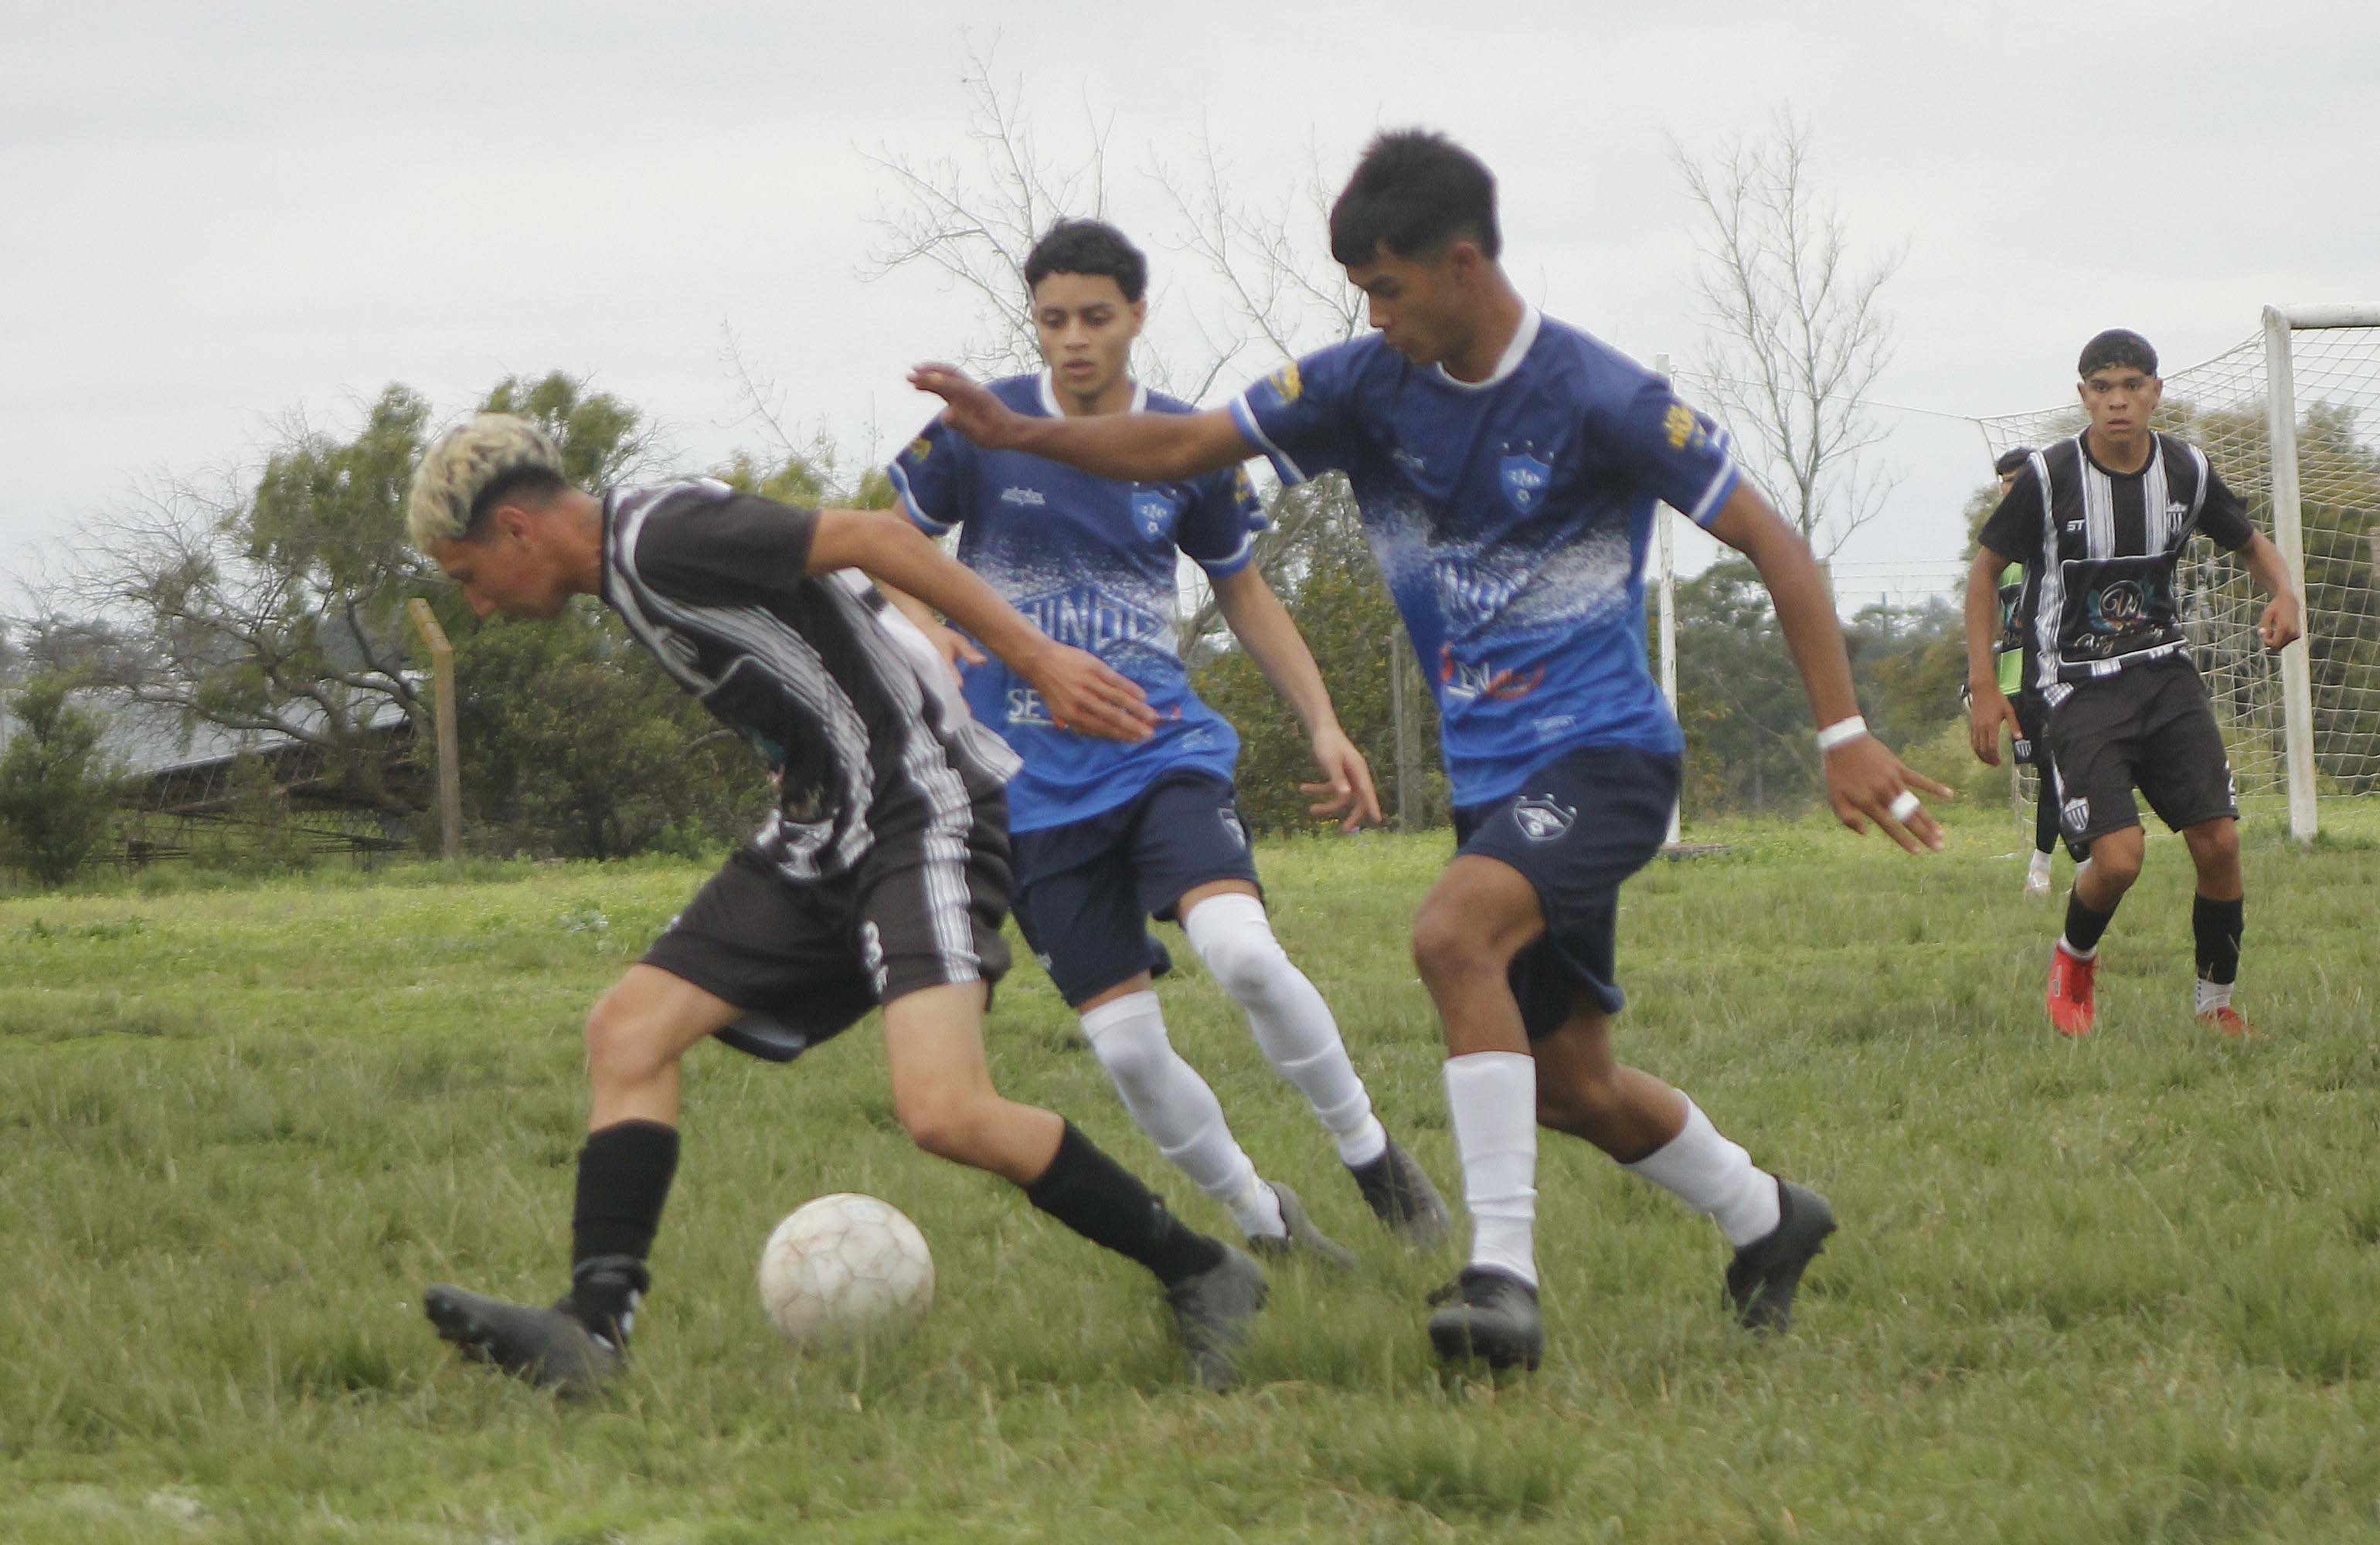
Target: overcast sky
column 210, row 216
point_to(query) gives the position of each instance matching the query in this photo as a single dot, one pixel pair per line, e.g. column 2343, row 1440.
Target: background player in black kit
column 2102, row 519
column 881, row 877
column 2012, row 659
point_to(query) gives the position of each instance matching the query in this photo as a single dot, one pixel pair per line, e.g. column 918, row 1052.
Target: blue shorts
column 1580, row 824
column 1085, row 892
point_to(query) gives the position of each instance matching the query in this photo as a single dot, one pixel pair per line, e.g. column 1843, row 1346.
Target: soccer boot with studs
column 1400, row 1193
column 1766, row 1273
column 1303, row 1236
column 1212, row 1310
column 1489, row 1315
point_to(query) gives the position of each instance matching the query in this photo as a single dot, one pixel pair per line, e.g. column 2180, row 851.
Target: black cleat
column 1490, row 1315
column 1212, row 1310
column 1400, row 1194
column 547, row 1346
column 1304, row 1236
column 1765, row 1275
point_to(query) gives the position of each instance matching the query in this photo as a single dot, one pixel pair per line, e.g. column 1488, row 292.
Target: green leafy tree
column 576, row 747
column 58, row 789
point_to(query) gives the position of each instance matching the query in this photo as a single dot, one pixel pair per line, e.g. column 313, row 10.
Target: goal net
column 2302, row 398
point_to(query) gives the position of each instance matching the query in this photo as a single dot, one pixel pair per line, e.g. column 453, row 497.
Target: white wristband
column 1841, row 733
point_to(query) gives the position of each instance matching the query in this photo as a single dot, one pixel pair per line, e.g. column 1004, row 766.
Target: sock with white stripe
column 1177, row 1109
column 1291, row 1023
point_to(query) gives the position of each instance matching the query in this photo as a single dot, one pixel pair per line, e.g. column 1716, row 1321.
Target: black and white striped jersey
column 2102, row 548
column 838, row 692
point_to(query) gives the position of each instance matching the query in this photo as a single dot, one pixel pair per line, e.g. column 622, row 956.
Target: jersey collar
column 1050, row 395
column 1514, row 352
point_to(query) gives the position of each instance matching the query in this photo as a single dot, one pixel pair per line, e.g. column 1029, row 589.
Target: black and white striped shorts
column 810, row 959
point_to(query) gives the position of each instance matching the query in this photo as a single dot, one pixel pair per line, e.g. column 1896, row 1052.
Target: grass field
column 2124, row 1289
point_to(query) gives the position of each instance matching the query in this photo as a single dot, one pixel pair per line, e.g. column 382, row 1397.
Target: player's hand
column 2282, row 624
column 1864, row 779
column 1088, row 697
column 1987, row 709
column 1347, row 785
column 953, row 647
column 968, row 407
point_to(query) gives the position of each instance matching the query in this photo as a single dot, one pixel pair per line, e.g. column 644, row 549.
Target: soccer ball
column 846, row 1268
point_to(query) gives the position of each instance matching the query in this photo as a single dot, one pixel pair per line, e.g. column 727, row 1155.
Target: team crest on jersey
column 921, row 448
column 1525, row 477
column 1285, row 383
column 1542, row 818
column 2076, row 814
column 1154, row 511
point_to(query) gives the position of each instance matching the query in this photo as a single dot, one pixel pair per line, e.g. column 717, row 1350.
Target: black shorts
column 1581, row 824
column 1086, row 891
column 810, row 959
column 2150, row 726
column 2032, row 715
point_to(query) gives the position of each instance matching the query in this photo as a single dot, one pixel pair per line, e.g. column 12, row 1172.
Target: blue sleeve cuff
column 909, row 504
column 1290, row 472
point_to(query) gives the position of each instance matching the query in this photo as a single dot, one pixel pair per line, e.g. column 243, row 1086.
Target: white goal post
column 2289, row 534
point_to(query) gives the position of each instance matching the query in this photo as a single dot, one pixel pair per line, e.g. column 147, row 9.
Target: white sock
column 1292, row 1024
column 2040, row 866
column 2213, row 995
column 2090, row 954
column 1174, row 1106
column 1493, row 1098
column 1712, row 1174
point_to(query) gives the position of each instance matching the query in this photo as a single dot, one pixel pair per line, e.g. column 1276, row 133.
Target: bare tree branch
column 1801, row 334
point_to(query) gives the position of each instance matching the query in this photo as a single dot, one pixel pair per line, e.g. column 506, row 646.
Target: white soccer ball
column 843, row 1269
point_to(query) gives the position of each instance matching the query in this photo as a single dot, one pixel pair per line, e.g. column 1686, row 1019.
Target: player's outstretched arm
column 1864, row 780
column 1266, row 629
column 1084, row 694
column 1987, row 706
column 2284, row 620
column 1133, row 447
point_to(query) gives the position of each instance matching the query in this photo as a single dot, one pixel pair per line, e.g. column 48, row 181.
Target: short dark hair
column 1412, row 192
column 2010, row 459
column 1091, row 247
column 2117, row 346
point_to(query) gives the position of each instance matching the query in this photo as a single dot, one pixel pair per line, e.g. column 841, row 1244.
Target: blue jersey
column 1091, row 561
column 1510, row 517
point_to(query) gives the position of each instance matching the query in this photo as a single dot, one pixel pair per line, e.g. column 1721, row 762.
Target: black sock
column 2045, row 823
column 2083, row 926
column 1098, row 1199
column 2218, row 925
column 623, row 1178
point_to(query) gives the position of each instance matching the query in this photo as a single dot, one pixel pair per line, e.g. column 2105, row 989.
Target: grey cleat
column 1400, row 1194
column 1490, row 1315
column 547, row 1346
column 1212, row 1310
column 1304, row 1236
column 1765, row 1275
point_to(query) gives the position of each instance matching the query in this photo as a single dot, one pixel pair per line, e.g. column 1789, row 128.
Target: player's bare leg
column 943, row 1094
column 1654, row 1131
column 1479, row 916
column 1293, row 1027
column 2216, row 920
column 636, row 1034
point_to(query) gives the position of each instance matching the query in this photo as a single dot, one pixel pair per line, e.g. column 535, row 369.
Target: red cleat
column 2070, row 1004
column 2226, row 1020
